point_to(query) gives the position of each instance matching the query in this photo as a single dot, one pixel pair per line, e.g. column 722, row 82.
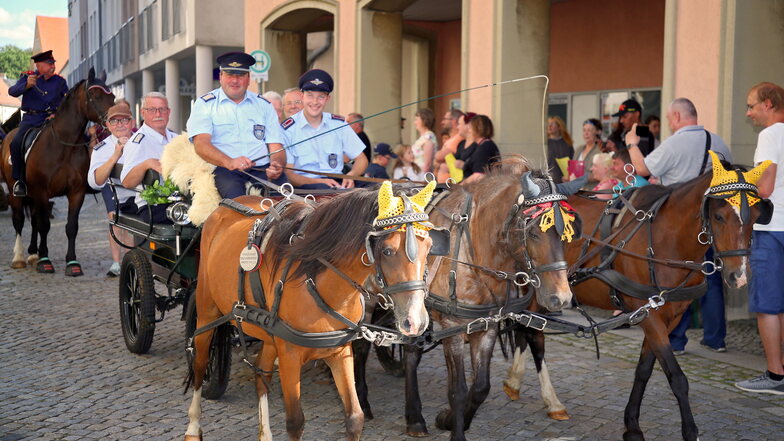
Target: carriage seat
column 139, row 226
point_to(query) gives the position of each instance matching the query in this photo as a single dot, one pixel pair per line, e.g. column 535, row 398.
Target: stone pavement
column 66, row 375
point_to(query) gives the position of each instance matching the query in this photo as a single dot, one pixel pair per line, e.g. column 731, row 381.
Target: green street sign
column 263, row 61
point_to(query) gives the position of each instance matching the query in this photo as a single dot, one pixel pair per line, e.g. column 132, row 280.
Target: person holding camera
column 629, row 115
column 682, row 157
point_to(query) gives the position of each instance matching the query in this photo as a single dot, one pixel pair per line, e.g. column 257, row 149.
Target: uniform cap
column 43, row 56
column 235, row 62
column 316, row 80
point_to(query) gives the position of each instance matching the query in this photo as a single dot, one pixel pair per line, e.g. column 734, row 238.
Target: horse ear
column 530, row 189
column 422, row 198
column 753, row 176
column 385, row 200
column 102, row 76
column 91, row 75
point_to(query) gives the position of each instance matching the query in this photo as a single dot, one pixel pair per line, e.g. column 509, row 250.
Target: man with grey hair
column 145, row 148
column 357, row 122
column 275, row 99
column 292, row 101
column 682, row 157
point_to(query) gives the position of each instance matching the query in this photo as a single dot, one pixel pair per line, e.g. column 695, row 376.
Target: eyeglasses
column 119, row 120
column 292, row 103
column 751, row 106
column 156, row 109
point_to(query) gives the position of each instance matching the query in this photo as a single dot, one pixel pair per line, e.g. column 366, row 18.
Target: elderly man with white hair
column 145, row 148
column 276, row 100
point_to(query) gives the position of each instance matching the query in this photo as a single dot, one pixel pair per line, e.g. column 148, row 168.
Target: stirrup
column 20, row 189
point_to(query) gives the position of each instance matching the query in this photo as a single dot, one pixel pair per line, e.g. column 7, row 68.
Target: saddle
column 27, row 142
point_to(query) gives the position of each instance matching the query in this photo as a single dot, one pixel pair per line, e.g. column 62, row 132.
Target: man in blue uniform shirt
column 326, row 152
column 230, row 125
column 41, row 90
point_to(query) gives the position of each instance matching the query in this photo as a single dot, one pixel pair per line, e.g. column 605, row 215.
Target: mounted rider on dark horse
column 42, row 91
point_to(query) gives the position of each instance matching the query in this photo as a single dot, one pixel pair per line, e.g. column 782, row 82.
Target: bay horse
column 316, row 258
column 495, row 231
column 718, row 209
column 57, row 166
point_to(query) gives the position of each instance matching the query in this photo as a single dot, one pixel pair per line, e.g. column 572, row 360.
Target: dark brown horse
column 329, row 250
column 493, row 229
column 693, row 215
column 57, row 166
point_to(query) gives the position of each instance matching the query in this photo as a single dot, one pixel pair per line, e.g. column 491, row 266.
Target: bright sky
column 17, row 19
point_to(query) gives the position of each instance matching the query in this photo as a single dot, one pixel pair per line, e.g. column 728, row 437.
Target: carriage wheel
column 137, row 302
column 390, row 357
column 216, row 379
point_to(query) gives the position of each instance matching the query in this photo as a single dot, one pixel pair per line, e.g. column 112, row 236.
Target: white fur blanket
column 192, row 175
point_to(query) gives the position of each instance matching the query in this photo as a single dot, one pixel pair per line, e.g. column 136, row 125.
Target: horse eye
column 388, row 251
column 718, row 217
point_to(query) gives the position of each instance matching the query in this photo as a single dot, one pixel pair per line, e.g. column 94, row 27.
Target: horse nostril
column 407, row 325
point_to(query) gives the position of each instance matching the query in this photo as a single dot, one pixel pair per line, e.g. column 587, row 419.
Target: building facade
column 153, row 45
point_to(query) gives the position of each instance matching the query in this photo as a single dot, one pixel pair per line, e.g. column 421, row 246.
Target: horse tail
column 506, row 338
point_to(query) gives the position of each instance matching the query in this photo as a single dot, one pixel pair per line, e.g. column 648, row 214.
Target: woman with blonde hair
column 559, row 146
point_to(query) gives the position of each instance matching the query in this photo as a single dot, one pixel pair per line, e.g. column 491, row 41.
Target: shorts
column 108, row 199
column 766, row 290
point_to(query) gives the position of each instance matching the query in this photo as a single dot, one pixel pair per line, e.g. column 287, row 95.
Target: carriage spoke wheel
column 390, row 357
column 137, row 302
column 216, row 379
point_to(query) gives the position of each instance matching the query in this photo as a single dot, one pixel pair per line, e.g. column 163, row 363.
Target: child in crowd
column 406, row 168
column 378, row 169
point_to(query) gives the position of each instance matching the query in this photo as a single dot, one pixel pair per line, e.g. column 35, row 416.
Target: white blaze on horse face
column 265, row 434
column 741, row 281
column 194, row 414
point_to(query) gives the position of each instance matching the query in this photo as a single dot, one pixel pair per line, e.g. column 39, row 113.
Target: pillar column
column 129, row 90
column 204, row 65
column 173, row 93
column 379, row 72
column 287, row 51
column 148, row 81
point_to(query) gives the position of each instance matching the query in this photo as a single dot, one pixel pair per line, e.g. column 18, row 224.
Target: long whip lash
column 544, row 98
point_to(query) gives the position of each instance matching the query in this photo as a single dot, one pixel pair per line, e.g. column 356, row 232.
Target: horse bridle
column 385, row 227
column 93, row 106
column 725, row 192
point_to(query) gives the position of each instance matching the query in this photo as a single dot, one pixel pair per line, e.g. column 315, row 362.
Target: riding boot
column 17, row 163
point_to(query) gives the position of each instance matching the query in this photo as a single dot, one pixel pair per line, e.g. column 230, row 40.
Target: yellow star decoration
column 722, row 176
column 548, row 221
column 390, row 205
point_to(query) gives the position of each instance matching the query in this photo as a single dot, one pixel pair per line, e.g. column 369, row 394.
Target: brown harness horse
column 57, row 165
column 497, row 231
column 668, row 248
column 308, row 288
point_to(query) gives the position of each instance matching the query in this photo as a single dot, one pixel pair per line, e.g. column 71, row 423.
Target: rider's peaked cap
column 316, row 80
column 43, row 56
column 235, row 62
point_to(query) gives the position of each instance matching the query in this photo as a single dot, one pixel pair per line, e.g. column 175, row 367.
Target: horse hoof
column 44, row 266
column 32, row 259
column 19, row 264
column 194, row 437
column 633, row 436
column 417, row 430
column 444, row 420
column 513, row 395
column 559, row 415
column 73, row 269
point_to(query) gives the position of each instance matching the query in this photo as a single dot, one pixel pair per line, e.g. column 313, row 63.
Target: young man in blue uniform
column 326, row 152
column 42, row 91
column 230, row 125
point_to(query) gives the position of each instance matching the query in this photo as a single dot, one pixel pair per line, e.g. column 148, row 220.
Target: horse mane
column 69, row 96
column 334, row 230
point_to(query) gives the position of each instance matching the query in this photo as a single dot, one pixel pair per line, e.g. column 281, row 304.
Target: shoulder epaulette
column 208, row 97
column 99, row 145
column 288, row 122
column 338, row 117
column 137, row 138
column 259, row 95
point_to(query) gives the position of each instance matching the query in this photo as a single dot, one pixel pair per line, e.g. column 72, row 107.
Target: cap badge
column 234, row 64
column 316, row 82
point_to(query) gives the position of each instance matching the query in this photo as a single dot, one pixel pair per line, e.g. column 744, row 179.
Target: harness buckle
column 459, row 218
column 704, row 238
column 531, row 324
column 709, row 267
column 481, row 320
column 641, row 215
column 535, row 281
column 526, row 278
column 385, row 302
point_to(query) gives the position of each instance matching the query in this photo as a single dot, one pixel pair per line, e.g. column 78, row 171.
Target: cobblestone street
column 67, row 375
